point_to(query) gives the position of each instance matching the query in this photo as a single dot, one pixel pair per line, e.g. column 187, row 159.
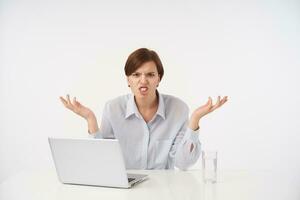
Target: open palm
column 208, row 107
column 76, row 107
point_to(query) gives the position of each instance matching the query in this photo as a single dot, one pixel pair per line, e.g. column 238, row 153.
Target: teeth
column 143, row 89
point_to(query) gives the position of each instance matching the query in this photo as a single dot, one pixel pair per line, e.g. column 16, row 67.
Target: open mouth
column 143, row 89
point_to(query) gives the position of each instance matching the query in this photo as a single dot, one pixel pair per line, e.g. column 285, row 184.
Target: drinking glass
column 209, row 166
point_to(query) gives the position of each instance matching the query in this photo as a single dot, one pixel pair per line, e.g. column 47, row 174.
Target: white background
column 248, row 50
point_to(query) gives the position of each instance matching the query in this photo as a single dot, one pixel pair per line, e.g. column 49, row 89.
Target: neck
column 147, row 103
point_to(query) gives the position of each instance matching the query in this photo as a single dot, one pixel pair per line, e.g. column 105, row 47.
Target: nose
column 144, row 78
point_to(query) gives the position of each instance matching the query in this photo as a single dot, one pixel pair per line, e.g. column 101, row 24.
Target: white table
column 162, row 184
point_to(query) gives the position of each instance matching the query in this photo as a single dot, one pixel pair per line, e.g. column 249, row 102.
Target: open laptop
column 97, row 162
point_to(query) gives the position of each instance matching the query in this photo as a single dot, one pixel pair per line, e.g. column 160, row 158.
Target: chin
column 142, row 96
column 139, row 95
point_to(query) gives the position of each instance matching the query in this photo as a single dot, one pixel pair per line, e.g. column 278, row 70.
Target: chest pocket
column 162, row 149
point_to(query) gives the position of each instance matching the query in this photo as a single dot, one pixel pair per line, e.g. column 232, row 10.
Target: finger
column 68, row 99
column 208, row 104
column 210, row 101
column 223, row 100
column 69, row 105
column 75, row 102
column 217, row 104
column 63, row 101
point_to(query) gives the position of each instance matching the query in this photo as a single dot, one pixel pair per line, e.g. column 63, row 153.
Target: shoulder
column 174, row 103
column 117, row 104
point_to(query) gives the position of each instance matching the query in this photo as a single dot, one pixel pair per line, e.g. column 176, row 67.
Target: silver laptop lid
column 89, row 161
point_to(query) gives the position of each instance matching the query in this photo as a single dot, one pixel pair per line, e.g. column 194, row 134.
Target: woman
column 153, row 129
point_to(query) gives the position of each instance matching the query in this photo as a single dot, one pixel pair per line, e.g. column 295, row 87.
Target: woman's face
column 144, row 81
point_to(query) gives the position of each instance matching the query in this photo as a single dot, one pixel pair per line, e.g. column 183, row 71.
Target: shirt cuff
column 191, row 134
column 95, row 135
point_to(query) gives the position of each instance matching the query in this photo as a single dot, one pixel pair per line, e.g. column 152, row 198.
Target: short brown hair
column 140, row 56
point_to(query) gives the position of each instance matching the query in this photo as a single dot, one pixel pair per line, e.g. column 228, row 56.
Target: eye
column 136, row 75
column 151, row 75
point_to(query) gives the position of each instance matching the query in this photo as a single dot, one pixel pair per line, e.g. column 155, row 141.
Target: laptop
column 96, row 162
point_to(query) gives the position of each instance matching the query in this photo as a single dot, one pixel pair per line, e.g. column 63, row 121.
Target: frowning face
column 144, row 81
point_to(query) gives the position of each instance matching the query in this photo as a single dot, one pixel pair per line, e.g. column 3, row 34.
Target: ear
column 127, row 78
column 158, row 81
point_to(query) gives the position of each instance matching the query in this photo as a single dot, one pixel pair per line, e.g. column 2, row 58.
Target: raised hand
column 204, row 110
column 77, row 107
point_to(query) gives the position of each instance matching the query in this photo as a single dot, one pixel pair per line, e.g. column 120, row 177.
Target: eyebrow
column 145, row 72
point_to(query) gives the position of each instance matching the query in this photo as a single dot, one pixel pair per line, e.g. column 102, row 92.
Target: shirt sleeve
column 106, row 130
column 181, row 150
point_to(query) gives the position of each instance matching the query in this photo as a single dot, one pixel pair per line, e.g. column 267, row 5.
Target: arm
column 184, row 155
column 92, row 125
column 189, row 147
column 82, row 111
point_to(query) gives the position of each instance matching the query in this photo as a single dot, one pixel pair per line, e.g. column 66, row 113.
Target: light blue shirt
column 162, row 143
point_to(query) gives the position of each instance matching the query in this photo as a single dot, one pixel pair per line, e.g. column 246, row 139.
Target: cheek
column 132, row 84
column 156, row 82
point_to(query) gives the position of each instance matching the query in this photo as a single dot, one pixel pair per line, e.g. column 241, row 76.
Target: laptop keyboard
column 130, row 179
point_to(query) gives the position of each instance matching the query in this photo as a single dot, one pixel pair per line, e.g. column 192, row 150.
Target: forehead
column 147, row 67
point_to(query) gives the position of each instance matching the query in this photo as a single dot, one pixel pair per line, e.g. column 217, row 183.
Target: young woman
column 153, row 129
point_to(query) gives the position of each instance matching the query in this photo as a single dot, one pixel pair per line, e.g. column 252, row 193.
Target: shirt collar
column 132, row 108
column 161, row 106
